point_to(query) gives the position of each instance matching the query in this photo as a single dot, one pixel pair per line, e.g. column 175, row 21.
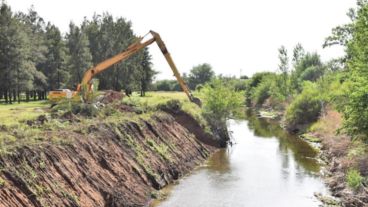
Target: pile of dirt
column 113, row 164
column 40, row 120
column 111, row 96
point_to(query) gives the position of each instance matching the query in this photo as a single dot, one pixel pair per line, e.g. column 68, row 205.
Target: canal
column 264, row 167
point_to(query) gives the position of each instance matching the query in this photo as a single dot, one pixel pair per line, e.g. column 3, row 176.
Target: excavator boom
column 132, row 49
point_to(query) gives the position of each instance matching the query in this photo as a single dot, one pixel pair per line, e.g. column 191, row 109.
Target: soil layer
column 114, row 164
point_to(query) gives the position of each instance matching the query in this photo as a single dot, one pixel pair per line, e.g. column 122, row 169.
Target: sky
column 236, row 37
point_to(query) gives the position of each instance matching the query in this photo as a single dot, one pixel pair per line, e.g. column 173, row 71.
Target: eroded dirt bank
column 111, row 164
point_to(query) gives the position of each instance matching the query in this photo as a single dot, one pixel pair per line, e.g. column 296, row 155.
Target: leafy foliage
column 200, row 74
column 221, row 101
column 305, row 108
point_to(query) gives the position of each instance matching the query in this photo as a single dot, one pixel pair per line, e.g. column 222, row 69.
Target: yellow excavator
column 57, row 95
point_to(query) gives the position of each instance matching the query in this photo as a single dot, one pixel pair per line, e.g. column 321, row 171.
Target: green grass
column 11, row 114
column 354, row 179
column 15, row 132
column 153, row 99
column 311, row 138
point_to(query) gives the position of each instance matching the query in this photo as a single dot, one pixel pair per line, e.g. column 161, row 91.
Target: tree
column 34, row 26
column 108, row 37
column 298, row 53
column 54, row 66
column 355, row 110
column 200, row 74
column 284, row 69
column 15, row 65
column 80, row 57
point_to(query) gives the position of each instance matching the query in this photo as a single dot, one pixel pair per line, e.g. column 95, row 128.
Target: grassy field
column 153, row 99
column 14, row 113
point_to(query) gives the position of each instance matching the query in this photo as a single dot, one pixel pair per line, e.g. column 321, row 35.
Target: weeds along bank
column 119, row 155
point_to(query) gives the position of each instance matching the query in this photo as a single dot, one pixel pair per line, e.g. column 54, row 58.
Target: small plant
column 2, row 182
column 354, row 179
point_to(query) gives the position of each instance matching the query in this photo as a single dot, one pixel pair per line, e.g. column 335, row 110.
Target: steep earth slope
column 108, row 164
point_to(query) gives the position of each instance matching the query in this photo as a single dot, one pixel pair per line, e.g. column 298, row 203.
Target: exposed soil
column 116, row 164
column 110, row 96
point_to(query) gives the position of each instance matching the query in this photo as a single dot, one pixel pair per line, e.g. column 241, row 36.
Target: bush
column 305, row 108
column 261, row 92
column 220, row 100
column 355, row 110
column 171, row 105
column 354, row 179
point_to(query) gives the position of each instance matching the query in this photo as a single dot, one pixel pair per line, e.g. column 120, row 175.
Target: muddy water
column 266, row 167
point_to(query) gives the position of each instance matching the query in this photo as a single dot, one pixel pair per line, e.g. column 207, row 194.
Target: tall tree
column 284, row 69
column 200, row 74
column 15, row 65
column 108, row 37
column 54, row 66
column 80, row 57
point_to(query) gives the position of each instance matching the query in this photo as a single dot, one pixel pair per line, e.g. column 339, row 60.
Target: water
column 266, row 167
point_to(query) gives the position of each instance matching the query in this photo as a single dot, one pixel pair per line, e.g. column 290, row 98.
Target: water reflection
column 266, row 167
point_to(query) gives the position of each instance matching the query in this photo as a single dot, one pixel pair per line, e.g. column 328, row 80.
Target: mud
column 114, row 164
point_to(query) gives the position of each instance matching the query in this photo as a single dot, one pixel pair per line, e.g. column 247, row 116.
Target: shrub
column 305, row 108
column 171, row 105
column 354, row 179
column 220, row 100
column 261, row 92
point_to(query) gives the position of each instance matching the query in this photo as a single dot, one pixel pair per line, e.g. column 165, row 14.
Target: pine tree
column 54, row 66
column 80, row 57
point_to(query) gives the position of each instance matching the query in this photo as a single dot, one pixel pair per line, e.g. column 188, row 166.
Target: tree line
column 35, row 57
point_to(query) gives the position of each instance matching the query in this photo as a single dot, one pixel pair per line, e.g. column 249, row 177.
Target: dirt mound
column 111, row 96
column 39, row 121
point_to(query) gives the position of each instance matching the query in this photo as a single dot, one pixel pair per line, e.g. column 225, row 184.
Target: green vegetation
column 354, row 179
column 197, row 77
column 305, row 108
column 221, row 101
column 13, row 114
column 327, row 100
column 35, row 57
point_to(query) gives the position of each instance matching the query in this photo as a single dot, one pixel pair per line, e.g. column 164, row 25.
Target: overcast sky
column 234, row 36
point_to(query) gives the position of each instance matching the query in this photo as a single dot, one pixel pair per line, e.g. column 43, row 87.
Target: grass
column 11, row 114
column 354, row 179
column 311, row 138
column 15, row 132
column 153, row 99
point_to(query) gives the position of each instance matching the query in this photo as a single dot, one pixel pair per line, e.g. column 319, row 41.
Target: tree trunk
column 10, row 97
column 18, row 95
column 6, row 96
column 27, row 96
column 34, row 95
column 14, row 96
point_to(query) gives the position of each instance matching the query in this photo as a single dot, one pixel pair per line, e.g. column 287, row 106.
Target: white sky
column 234, row 36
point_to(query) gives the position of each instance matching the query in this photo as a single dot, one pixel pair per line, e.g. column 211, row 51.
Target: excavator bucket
column 197, row 101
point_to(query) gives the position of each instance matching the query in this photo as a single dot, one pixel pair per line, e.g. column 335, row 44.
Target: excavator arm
column 132, row 49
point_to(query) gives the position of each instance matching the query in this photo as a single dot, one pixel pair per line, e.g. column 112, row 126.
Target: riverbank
column 119, row 158
column 339, row 152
